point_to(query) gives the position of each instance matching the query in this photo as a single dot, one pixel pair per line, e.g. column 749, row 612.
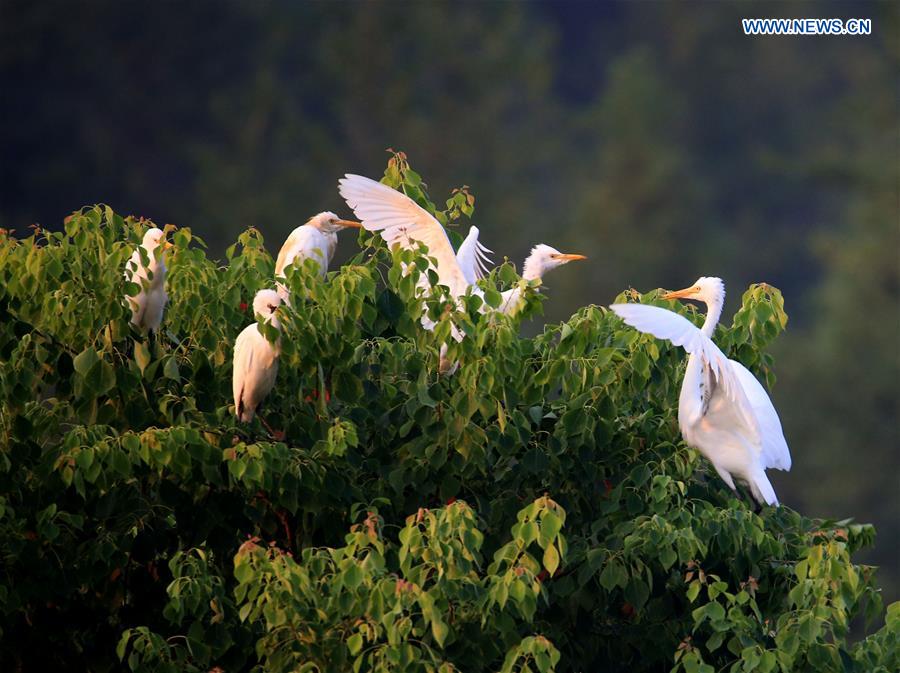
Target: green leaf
column 141, row 355
column 170, row 371
column 551, row 524
column 85, row 360
column 551, row 559
column 693, row 591
column 439, row 630
column 355, row 643
column 353, row 576
column 613, row 575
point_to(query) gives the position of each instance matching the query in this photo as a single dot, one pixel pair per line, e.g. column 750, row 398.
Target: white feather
column 401, row 221
column 472, row 257
column 723, row 411
column 255, row 358
column 255, row 369
column 148, row 305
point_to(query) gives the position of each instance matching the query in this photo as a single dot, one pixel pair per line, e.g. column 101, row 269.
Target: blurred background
column 656, row 138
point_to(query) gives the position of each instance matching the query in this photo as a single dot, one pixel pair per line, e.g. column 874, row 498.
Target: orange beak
column 167, row 246
column 349, row 223
column 566, row 257
column 679, row 294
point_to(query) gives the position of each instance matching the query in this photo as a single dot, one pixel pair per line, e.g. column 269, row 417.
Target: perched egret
column 401, row 221
column 255, row 359
column 542, row 259
column 147, row 305
column 316, row 239
column 723, row 411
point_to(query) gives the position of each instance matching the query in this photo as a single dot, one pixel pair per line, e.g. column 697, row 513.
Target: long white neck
column 512, row 300
column 713, row 313
column 533, row 269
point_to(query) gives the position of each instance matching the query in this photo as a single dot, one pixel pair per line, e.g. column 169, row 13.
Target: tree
column 535, row 511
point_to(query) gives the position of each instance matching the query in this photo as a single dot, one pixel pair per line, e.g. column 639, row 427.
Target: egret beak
column 348, row 223
column 566, row 257
column 680, row 294
column 167, row 245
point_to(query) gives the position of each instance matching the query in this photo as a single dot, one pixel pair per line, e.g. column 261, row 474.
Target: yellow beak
column 167, row 245
column 349, row 223
column 566, row 257
column 679, row 294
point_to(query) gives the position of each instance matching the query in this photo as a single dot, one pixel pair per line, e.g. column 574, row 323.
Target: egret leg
column 277, row 435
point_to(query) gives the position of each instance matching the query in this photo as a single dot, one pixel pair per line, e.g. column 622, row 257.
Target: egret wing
column 775, row 452
column 243, row 361
column 472, row 257
column 401, row 221
column 665, row 324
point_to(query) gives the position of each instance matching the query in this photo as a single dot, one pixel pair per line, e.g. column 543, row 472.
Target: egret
column 401, row 221
column 723, row 411
column 317, row 239
column 147, row 305
column 256, row 359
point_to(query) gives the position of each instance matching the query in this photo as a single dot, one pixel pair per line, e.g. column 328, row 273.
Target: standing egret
column 147, row 305
column 256, row 359
column 723, row 411
column 316, row 239
column 401, row 221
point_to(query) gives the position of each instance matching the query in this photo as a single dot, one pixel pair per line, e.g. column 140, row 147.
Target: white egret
column 147, row 305
column 317, row 239
column 401, row 221
column 256, row 359
column 542, row 259
column 723, row 411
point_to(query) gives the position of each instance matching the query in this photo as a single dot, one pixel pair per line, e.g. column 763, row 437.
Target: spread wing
column 664, row 324
column 775, row 452
column 401, row 221
column 472, row 257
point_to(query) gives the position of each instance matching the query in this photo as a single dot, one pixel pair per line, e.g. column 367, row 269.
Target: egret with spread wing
column 255, row 359
column 317, row 239
column 401, row 221
column 147, row 305
column 723, row 411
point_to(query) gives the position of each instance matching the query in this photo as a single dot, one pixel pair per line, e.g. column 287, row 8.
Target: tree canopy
column 536, row 511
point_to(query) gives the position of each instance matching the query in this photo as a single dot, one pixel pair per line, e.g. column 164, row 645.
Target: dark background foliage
column 655, row 138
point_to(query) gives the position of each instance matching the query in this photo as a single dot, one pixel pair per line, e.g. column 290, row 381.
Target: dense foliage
column 536, row 511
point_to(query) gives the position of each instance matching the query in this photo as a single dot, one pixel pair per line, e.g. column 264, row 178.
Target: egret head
column 330, row 223
column 265, row 303
column 709, row 290
column 543, row 258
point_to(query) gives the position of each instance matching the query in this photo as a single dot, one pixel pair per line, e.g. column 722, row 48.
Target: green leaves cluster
column 536, row 511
